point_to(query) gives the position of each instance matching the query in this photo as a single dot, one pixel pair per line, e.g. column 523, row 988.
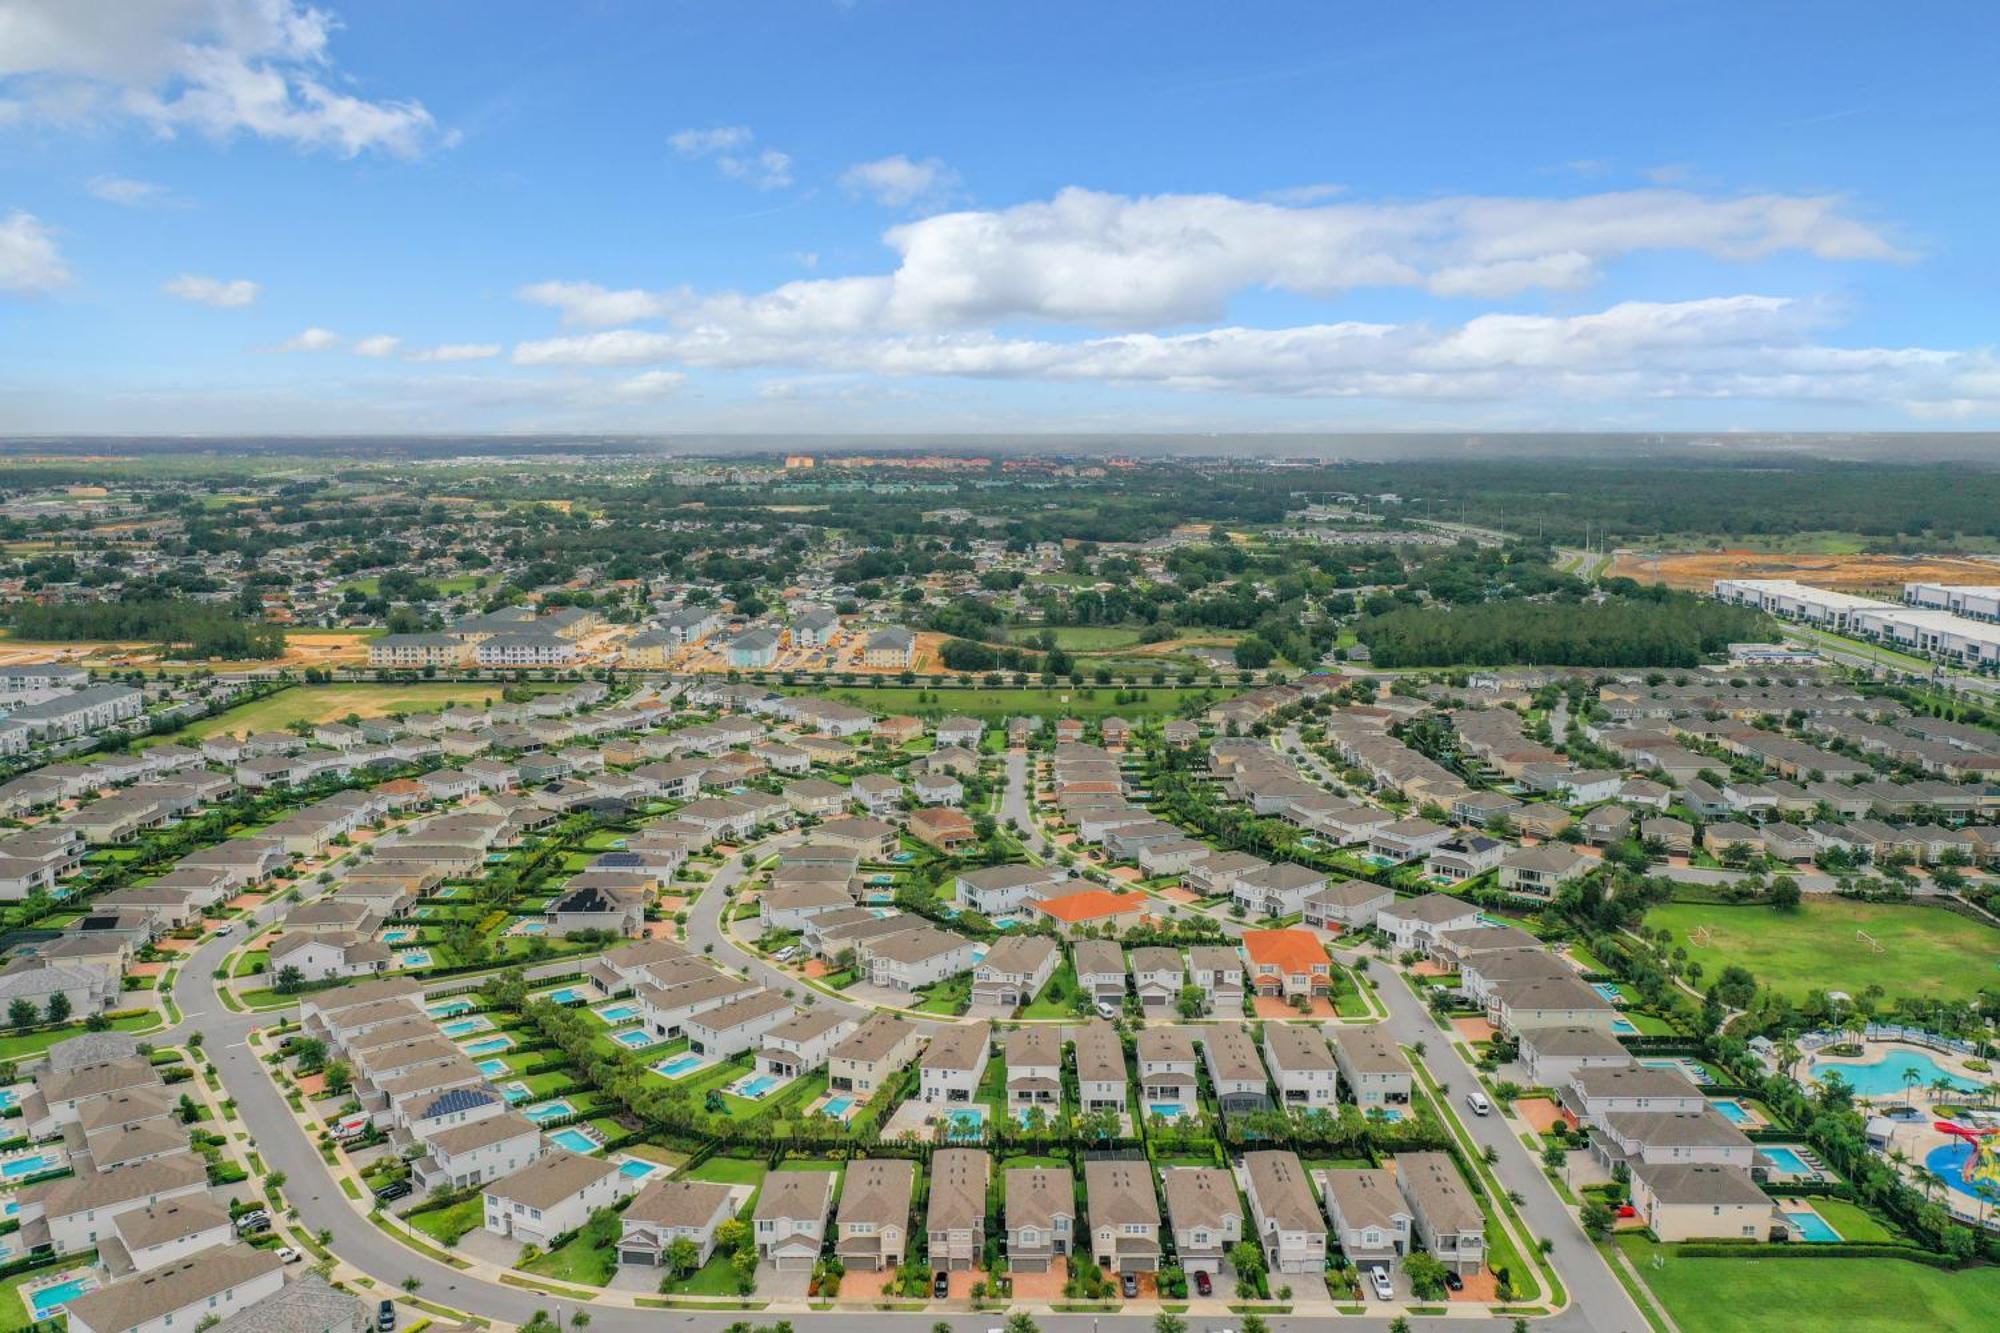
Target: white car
column 226, row 928
column 1477, row 1101
column 1378, row 1278
column 289, row 1255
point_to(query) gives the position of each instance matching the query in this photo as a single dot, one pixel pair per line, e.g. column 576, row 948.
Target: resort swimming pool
column 573, row 1139
column 1885, row 1077
column 1787, row 1160
column 633, row 1039
column 548, row 1111
column 1732, row 1110
column 1812, row 1227
column 50, row 1300
column 28, row 1166
column 489, row 1046
column 1949, row 1161
column 619, row 1013
column 684, row 1063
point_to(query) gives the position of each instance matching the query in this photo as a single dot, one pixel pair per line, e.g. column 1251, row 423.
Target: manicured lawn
column 579, row 1261
column 324, row 703
column 1080, row 638
column 951, row 996
column 34, row 1043
column 729, row 1171
column 446, row 1225
column 13, row 1313
column 1057, row 998
column 995, row 705
column 1927, row 952
column 717, row 1277
column 1852, row 1295
column 1852, row 1221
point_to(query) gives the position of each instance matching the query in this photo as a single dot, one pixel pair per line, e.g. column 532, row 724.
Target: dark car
column 1202, row 1286
column 1454, row 1281
column 1129, row 1284
column 394, row 1190
column 940, row 1285
column 385, row 1315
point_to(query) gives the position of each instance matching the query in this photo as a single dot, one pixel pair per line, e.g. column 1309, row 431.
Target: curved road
column 1598, row 1303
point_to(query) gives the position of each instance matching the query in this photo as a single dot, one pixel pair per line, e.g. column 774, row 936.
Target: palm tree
column 1910, row 1080
column 1941, row 1088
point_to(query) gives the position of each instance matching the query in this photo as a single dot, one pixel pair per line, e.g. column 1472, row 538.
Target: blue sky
column 259, row 216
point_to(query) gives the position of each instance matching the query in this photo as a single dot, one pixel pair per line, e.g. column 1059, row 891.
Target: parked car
column 1107, row 1010
column 1477, row 1101
column 1202, row 1285
column 1378, row 1278
column 289, row 1255
column 385, row 1315
column 1454, row 1281
column 395, row 1189
column 940, row 1285
column 1129, row 1284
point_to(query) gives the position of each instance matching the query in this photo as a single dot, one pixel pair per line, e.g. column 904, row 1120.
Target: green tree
column 683, row 1256
column 1597, row 1219
column 22, row 1013
column 59, row 1007
column 1426, row 1274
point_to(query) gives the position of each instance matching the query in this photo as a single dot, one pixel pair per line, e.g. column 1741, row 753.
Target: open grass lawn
column 34, row 1043
column 951, row 996
column 13, row 1311
column 324, row 703
column 446, row 1225
column 1080, row 638
column 1057, row 998
column 1852, row 1295
column 1852, row 1221
column 729, row 1171
column 1926, row 951
column 1088, row 703
column 579, row 1261
column 717, row 1277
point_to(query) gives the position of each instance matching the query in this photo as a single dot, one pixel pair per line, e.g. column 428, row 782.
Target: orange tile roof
column 1288, row 950
column 1090, row 905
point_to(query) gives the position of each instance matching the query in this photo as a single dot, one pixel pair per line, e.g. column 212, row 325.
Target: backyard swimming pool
column 465, row 1027
column 1812, row 1227
column 965, row 1123
column 28, row 1166
column 548, row 1111
column 567, row 995
column 449, row 1009
column 415, row 958
column 514, row 1092
column 528, row 928
column 757, row 1087
column 1609, row 990
column 1165, row 1110
column 837, row 1107
column 684, row 1063
column 634, row 1169
column 400, row 935
column 50, row 1300
column 1732, row 1110
column 489, row 1046
column 1787, row 1160
column 633, row 1039
column 1624, row 1027
column 573, row 1139
column 1885, row 1077
column 493, row 1068
column 619, row 1013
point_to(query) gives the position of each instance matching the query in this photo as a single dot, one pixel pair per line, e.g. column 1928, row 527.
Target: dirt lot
column 1842, row 573
column 303, row 648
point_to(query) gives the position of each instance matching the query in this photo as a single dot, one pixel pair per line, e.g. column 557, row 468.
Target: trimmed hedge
column 1750, row 1249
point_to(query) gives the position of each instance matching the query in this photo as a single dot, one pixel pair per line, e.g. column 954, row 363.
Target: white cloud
column 126, row 192
column 588, row 303
column 30, row 264
column 1296, row 195
column 650, row 384
column 311, row 340
column 378, row 345
column 454, row 352
column 736, row 155
column 897, row 182
column 211, row 291
column 219, row 67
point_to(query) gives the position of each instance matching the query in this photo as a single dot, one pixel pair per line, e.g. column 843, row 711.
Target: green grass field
column 1852, row 1295
column 1926, row 951
column 1079, row 638
column 1088, row 703
column 325, row 703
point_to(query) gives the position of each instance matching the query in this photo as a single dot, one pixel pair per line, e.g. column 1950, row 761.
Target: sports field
column 324, row 703
column 1852, row 1295
column 1924, row 951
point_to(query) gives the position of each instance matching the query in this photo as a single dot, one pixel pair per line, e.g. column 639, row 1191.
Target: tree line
column 194, row 628
column 1654, row 631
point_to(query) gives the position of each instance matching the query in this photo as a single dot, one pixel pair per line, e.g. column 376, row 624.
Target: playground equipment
column 1983, row 1170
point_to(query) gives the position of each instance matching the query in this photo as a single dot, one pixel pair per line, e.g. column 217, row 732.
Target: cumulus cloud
column 650, row 384
column 126, row 192
column 217, row 67
column 588, row 303
column 378, row 345
column 734, row 150
column 897, row 182
column 211, row 291
column 311, row 340
column 30, row 263
column 455, row 352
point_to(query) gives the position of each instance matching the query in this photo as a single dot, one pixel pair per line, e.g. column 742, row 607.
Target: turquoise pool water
column 573, row 1139
column 548, row 1111
column 50, row 1300
column 965, row 1124
column 465, row 1027
column 1624, row 1027
column 1950, row 1161
column 634, row 1169
column 490, row 1046
column 1884, row 1077
column 27, row 1166
column 685, row 1062
column 567, row 995
column 1787, row 1160
column 1731, row 1110
column 493, row 1068
column 449, row 1009
column 515, row 1092
column 1389, row 1113
column 1812, row 1227
column 416, row 958
column 1165, row 1110
column 837, row 1107
column 619, row 1013
column 400, row 935
column 635, row 1038
column 7, row 1098
column 757, row 1086
column 13, row 1208
column 530, row 928
column 1609, row 990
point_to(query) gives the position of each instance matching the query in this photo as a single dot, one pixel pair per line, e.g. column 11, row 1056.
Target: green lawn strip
column 1057, row 999
column 578, row 1261
column 1851, row 1220
column 571, row 1292
column 417, row 1245
column 729, row 1171
column 717, row 1277
column 1876, row 1295
column 445, row 1225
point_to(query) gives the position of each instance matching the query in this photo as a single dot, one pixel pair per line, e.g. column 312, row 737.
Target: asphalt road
column 1598, row 1303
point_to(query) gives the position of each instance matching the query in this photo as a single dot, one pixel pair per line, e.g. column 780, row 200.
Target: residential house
column 1124, row 1215
column 872, row 1228
column 1206, row 1215
column 790, row 1220
column 1283, row 1213
column 549, row 1196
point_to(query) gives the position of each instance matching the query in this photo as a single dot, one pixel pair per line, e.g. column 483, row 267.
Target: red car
column 1202, row 1285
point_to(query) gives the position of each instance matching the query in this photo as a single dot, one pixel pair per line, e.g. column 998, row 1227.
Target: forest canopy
column 195, row 629
column 1673, row 630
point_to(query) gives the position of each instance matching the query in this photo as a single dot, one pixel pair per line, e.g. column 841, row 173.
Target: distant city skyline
column 260, row 216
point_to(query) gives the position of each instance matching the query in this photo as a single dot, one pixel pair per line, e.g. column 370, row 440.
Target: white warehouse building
column 1973, row 601
column 1918, row 628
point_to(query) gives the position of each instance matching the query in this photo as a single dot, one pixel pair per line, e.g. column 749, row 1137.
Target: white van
column 1477, row 1101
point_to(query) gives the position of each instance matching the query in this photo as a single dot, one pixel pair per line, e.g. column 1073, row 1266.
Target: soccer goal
column 1874, row 945
column 1701, row 937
